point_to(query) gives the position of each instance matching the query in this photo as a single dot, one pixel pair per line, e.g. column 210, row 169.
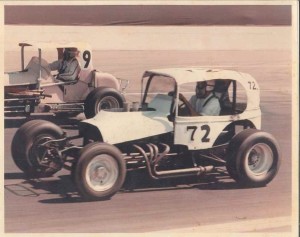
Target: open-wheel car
column 37, row 89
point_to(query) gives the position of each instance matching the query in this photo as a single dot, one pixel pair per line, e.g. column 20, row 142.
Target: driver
column 68, row 67
column 204, row 102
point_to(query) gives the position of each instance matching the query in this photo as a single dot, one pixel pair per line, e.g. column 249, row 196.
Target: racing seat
column 70, row 82
column 221, row 92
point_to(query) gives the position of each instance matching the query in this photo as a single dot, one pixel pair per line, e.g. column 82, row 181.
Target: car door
column 196, row 132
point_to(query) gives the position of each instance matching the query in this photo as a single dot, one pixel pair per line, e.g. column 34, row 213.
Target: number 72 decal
column 205, row 128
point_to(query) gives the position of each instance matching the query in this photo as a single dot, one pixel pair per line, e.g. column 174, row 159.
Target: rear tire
column 253, row 158
column 99, row 172
column 27, row 155
column 102, row 98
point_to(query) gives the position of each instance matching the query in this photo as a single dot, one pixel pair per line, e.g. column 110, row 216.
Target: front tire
column 99, row 172
column 102, row 98
column 26, row 152
column 253, row 158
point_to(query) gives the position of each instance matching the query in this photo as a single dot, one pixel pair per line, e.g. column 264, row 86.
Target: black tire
column 110, row 166
column 24, row 147
column 253, row 158
column 102, row 98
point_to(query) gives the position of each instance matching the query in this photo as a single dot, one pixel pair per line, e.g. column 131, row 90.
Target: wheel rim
column 108, row 102
column 259, row 159
column 102, row 173
column 40, row 157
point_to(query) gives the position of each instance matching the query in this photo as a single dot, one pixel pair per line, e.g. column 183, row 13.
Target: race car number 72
column 204, row 127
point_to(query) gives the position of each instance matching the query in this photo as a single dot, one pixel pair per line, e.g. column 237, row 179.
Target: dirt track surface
column 52, row 205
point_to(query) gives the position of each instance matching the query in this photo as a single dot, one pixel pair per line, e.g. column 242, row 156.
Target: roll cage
column 226, row 108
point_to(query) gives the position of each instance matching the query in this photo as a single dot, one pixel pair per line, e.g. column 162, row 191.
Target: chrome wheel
column 259, row 159
column 102, row 173
column 108, row 102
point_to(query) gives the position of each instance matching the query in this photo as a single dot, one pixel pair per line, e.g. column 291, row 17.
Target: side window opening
column 230, row 93
column 235, row 100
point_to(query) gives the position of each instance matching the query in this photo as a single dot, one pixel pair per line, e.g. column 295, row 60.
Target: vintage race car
column 162, row 136
column 36, row 89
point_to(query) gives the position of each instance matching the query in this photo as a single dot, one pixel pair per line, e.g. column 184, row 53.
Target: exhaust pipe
column 155, row 157
column 196, row 171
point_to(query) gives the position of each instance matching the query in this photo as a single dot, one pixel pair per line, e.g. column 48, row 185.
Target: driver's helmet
column 208, row 85
column 70, row 53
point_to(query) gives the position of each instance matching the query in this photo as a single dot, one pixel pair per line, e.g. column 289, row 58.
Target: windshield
column 157, row 84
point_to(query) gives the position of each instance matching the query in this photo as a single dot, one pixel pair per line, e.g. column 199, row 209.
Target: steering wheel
column 185, row 103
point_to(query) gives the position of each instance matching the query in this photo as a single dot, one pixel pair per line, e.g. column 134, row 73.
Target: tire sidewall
column 232, row 152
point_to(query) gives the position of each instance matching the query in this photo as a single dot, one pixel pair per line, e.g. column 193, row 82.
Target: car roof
column 53, row 45
column 194, row 74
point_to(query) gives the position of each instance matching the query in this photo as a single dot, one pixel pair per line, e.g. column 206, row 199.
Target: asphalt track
column 214, row 203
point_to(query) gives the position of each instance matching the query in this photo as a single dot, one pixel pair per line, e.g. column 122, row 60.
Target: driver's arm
column 55, row 65
column 72, row 72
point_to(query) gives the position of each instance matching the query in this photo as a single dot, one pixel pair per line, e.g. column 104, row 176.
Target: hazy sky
column 149, row 15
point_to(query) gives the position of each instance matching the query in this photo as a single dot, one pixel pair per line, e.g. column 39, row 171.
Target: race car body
column 36, row 89
column 162, row 134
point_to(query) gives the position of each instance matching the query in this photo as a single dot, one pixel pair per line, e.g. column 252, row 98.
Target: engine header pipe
column 40, row 63
column 22, row 58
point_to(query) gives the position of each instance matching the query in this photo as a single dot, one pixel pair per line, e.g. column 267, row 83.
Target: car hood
column 119, row 127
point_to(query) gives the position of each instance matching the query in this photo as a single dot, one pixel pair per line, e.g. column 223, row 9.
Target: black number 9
column 87, row 58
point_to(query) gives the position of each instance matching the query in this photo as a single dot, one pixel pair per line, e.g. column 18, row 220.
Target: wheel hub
column 102, row 172
column 260, row 159
column 254, row 158
column 108, row 102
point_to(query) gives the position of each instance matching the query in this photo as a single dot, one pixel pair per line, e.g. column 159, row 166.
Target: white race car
column 35, row 89
column 162, row 136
